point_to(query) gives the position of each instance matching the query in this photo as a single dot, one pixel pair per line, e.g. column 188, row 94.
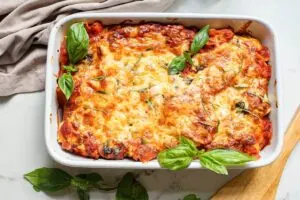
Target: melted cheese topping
column 126, row 105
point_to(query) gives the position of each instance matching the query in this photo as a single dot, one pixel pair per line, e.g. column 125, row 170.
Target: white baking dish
column 259, row 29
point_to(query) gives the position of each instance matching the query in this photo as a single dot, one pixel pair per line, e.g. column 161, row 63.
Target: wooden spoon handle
column 262, row 183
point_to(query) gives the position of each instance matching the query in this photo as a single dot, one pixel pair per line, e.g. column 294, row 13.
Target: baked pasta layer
column 126, row 105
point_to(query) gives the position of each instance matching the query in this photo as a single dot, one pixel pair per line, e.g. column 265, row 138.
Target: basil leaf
column 49, row 179
column 177, row 65
column 177, row 158
column 191, row 197
column 212, row 164
column 200, row 39
column 130, row 189
column 104, row 187
column 70, row 68
column 80, row 183
column 65, row 83
column 37, row 189
column 91, row 177
column 139, row 192
column 228, row 157
column 83, row 195
column 188, row 57
column 184, row 140
column 77, row 42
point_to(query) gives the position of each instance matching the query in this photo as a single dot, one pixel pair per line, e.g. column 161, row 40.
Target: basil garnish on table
column 49, row 179
column 178, row 63
column 130, row 189
column 215, row 160
column 77, row 47
column 191, row 197
column 54, row 179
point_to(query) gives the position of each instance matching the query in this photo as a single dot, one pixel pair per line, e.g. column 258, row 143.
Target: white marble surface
column 22, row 147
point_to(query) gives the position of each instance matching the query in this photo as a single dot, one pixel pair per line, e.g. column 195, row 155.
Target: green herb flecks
column 241, row 108
column 99, row 78
column 149, row 103
column 135, row 65
column 241, row 86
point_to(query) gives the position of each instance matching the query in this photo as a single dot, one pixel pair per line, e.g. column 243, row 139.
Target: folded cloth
column 24, row 30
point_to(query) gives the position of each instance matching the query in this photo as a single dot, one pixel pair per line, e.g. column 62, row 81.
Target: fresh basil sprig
column 188, row 57
column 200, row 39
column 179, row 62
column 48, row 179
column 216, row 160
column 53, row 180
column 66, row 84
column 77, row 47
column 131, row 189
column 177, row 65
column 191, row 197
column 77, row 42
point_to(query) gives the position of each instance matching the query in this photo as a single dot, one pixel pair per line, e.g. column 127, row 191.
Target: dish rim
column 91, row 163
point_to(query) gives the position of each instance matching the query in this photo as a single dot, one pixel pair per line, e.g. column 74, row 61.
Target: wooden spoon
column 261, row 183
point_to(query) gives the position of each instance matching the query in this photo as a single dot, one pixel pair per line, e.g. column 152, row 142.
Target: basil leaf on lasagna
column 200, row 39
column 131, row 189
column 77, row 42
column 213, row 165
column 177, row 65
column 49, row 179
column 191, row 197
column 188, row 57
column 65, row 83
column 177, row 158
column 184, row 140
column 228, row 157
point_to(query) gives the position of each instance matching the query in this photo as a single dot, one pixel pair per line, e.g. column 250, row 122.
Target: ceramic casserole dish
column 258, row 28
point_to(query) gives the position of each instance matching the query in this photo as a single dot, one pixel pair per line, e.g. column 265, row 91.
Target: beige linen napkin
column 24, row 29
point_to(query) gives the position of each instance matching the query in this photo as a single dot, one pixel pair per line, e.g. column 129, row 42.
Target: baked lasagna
column 126, row 104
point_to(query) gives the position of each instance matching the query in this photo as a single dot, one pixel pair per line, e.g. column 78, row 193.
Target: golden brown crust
column 138, row 110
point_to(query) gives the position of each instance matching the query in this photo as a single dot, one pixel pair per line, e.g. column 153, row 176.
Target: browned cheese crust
column 126, row 105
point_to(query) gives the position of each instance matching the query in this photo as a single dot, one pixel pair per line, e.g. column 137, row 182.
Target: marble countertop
column 22, row 146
